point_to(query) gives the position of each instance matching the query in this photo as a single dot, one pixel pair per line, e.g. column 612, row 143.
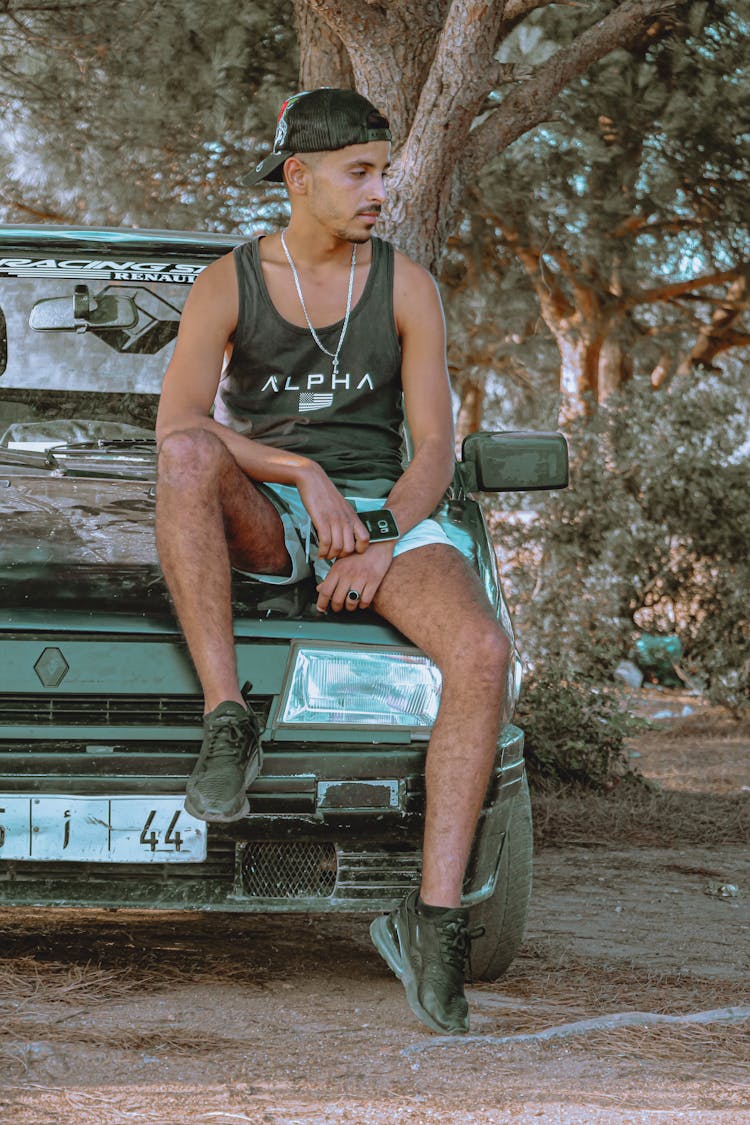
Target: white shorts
column 301, row 546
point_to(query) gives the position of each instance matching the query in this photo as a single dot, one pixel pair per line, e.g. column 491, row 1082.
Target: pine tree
column 628, row 213
column 138, row 113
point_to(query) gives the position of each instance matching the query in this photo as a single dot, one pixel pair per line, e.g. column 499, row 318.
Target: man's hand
column 360, row 572
column 339, row 529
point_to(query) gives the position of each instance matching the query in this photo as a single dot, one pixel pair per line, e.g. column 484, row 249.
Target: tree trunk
column 429, row 66
column 469, row 420
column 615, row 367
column 574, row 374
column 323, row 58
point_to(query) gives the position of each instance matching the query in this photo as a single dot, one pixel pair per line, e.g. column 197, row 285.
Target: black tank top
column 278, row 387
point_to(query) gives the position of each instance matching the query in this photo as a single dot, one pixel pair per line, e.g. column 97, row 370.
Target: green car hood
column 89, row 544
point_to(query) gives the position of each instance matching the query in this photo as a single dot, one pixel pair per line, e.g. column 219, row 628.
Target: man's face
column 347, row 188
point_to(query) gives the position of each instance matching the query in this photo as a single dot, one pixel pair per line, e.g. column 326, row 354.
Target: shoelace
column 226, row 733
column 455, row 942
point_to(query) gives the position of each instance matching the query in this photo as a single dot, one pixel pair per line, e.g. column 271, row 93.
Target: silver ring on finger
column 353, row 596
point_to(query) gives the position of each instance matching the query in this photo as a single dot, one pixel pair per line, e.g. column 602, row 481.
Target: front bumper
column 331, row 828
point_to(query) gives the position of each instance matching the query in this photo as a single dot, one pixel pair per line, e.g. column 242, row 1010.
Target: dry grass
column 692, row 1051
column 637, row 815
column 688, row 791
column 157, row 1040
column 707, row 722
column 55, row 1003
column 541, row 992
column 542, row 989
column 25, row 981
column 71, row 1002
column 111, row 959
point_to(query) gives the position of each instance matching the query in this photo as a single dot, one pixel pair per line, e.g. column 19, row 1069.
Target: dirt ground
column 641, row 905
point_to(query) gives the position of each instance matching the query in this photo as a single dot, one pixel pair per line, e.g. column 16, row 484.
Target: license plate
column 100, row 829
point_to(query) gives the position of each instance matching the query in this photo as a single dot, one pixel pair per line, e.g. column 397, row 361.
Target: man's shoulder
column 214, row 291
column 219, row 273
column 410, row 276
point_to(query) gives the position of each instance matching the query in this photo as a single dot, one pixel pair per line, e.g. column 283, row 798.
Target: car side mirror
column 513, row 461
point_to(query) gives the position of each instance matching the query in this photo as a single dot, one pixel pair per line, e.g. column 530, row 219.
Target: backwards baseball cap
column 320, row 121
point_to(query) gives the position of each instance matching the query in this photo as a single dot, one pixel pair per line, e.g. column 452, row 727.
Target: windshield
column 85, row 339
column 84, row 343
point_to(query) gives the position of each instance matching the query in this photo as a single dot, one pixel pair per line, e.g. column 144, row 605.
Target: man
column 321, row 329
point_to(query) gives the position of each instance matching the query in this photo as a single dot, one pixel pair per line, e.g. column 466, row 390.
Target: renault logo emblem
column 51, row 667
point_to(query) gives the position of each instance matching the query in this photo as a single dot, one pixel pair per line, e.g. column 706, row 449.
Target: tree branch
column 529, row 104
column 677, row 288
column 684, row 300
column 734, row 339
column 642, row 224
column 551, row 297
column 46, row 216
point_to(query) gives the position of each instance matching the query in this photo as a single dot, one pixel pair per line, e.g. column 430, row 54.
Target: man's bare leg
column 432, row 595
column 207, row 513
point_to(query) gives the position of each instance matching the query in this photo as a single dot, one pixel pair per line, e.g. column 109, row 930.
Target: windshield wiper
column 32, row 459
column 121, row 458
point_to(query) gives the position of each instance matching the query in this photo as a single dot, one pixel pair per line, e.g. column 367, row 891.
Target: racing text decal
column 184, row 272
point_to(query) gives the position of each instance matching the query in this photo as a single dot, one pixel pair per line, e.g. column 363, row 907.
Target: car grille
column 107, row 710
column 289, row 870
column 260, row 875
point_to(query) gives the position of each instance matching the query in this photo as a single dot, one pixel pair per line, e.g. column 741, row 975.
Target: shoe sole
column 224, row 816
column 392, row 954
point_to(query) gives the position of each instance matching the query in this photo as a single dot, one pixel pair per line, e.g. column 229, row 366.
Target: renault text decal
column 184, row 272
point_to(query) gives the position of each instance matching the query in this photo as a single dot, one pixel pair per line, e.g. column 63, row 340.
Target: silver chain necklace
column 334, row 355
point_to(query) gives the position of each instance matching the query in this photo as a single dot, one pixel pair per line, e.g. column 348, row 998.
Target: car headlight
column 387, row 687
column 516, row 679
column 513, row 684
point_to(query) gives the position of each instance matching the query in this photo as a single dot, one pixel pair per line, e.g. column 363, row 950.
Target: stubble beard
column 347, row 234
column 342, row 228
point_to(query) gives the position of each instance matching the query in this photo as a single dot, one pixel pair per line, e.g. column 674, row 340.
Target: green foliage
column 656, row 132
column 575, row 732
column 495, row 334
column 140, row 113
column 652, row 535
column 641, row 179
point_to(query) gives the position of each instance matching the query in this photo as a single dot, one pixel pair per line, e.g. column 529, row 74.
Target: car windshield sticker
column 106, row 270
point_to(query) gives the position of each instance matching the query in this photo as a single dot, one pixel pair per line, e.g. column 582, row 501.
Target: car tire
column 503, row 915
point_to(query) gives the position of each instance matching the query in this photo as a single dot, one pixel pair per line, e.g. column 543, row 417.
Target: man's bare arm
column 427, row 395
column 208, row 322
column 424, row 373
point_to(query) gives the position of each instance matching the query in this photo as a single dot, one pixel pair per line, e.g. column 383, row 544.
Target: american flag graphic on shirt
column 311, row 401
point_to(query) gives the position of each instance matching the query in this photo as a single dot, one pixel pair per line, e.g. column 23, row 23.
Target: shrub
column 651, row 535
column 575, row 732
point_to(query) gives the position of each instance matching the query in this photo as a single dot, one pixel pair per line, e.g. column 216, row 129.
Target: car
column 100, row 709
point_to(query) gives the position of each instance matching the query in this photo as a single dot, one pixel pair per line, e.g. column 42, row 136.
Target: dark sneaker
column 229, row 761
column 429, row 958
